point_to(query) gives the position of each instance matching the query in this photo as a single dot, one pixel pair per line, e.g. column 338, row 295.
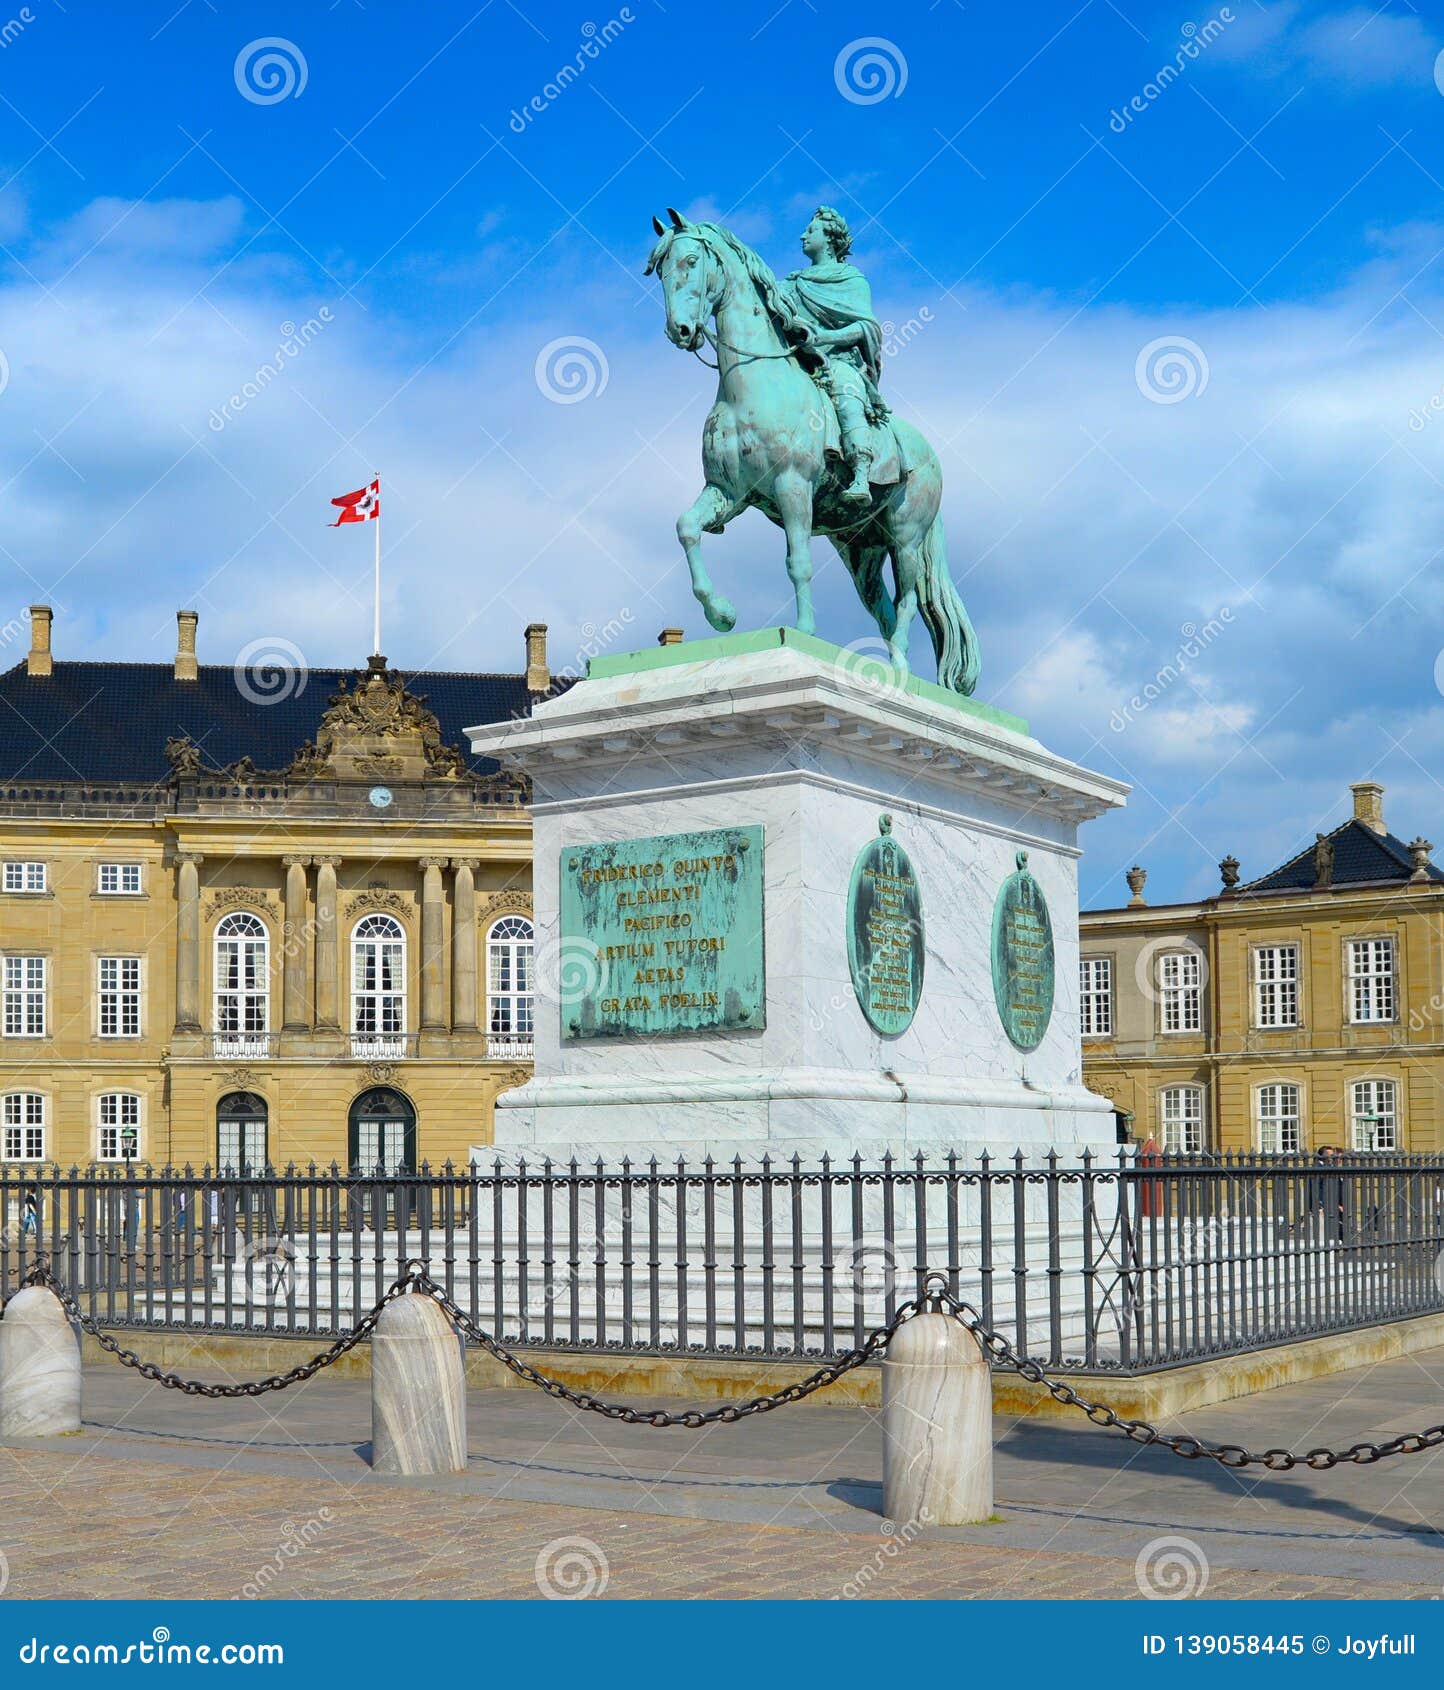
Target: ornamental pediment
column 374, row 728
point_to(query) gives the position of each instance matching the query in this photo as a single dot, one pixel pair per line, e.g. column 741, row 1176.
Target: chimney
column 538, row 676
column 38, row 662
column 1136, row 878
column 185, row 645
column 1369, row 804
column 670, row 636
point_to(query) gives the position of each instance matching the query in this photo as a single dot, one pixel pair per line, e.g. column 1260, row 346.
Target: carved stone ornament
column 242, row 1079
column 378, row 898
column 183, row 755
column 241, row 897
column 381, row 1073
column 510, row 1078
column 513, row 901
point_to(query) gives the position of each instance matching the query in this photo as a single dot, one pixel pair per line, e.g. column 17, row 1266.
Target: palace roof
column 1362, row 856
column 97, row 721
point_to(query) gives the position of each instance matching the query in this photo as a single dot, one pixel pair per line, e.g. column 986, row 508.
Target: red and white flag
column 364, row 505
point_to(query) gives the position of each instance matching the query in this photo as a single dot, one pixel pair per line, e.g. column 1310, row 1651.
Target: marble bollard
column 39, row 1367
column 418, row 1390
column 937, row 1425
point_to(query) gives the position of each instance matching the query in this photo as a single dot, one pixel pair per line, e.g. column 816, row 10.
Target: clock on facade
column 380, row 796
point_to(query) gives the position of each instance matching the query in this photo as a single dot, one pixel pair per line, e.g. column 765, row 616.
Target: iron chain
column 935, row 1298
column 997, row 1348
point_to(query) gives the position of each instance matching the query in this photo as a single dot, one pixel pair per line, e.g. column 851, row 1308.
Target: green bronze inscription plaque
column 1023, row 958
column 662, row 936
column 885, row 934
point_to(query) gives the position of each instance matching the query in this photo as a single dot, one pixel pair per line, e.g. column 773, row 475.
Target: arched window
column 117, row 1126
column 383, row 1132
column 1181, row 1117
column 243, row 979
column 241, row 1121
column 509, row 951
column 1375, row 1117
column 24, row 1127
column 378, row 986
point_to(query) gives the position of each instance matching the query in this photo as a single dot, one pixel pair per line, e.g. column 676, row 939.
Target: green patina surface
column 1023, row 958
column 663, row 935
column 872, row 671
column 885, row 947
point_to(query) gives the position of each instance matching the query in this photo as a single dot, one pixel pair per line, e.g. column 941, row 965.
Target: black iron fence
column 1099, row 1264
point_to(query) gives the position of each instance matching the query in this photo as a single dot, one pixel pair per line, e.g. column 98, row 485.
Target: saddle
column 889, row 461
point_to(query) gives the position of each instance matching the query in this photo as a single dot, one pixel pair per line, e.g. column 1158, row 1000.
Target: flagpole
column 376, row 605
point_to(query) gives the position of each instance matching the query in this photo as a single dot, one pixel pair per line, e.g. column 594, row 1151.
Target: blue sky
column 1036, row 210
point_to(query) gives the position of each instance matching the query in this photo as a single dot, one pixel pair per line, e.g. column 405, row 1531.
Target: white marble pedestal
column 811, row 744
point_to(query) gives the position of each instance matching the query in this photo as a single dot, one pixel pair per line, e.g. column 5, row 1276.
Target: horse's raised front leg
column 792, row 494
column 710, row 506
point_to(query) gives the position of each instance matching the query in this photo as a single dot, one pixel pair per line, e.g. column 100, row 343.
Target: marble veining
column 39, row 1367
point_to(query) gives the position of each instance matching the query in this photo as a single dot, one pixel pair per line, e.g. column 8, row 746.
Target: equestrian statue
column 801, row 432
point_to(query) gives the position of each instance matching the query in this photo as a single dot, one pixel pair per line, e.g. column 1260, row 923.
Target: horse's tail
column 955, row 645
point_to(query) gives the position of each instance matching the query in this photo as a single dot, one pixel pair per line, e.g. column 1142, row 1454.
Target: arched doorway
column 381, row 1147
column 382, row 1132
column 242, row 1121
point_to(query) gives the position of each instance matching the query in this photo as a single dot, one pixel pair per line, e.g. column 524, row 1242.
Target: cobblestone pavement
column 162, row 1495
column 96, row 1526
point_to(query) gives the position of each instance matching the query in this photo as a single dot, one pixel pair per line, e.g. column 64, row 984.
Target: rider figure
column 833, row 300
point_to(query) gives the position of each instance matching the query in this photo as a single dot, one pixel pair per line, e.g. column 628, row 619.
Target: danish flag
column 364, row 505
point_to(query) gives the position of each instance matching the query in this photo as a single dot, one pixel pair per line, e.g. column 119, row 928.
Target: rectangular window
column 119, row 879
column 1279, row 1129
column 119, row 994
column 1371, row 980
column 22, row 1127
column 24, row 877
column 1095, row 996
column 1181, row 1109
column 1276, row 986
column 1376, row 1123
column 1180, row 991
column 119, row 1123
column 22, row 990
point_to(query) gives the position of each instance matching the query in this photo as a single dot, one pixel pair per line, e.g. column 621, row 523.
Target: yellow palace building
column 254, row 915
column 1298, row 1009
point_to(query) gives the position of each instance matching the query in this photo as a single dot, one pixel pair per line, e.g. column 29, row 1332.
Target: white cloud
column 1088, row 527
column 1358, row 48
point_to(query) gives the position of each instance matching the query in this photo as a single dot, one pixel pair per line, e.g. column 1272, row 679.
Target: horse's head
column 691, row 277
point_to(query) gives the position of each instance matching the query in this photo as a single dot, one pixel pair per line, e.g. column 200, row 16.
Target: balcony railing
column 383, row 1047
column 510, row 1047
column 241, row 1047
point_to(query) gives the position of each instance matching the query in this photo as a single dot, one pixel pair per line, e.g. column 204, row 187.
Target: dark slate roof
column 1361, row 857
column 110, row 721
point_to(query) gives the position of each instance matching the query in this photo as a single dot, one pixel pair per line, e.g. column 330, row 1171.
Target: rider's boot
column 858, row 494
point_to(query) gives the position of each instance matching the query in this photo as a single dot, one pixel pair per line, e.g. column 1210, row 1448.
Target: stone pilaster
column 328, row 956
column 294, row 1013
column 463, row 946
column 188, row 942
column 433, row 945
